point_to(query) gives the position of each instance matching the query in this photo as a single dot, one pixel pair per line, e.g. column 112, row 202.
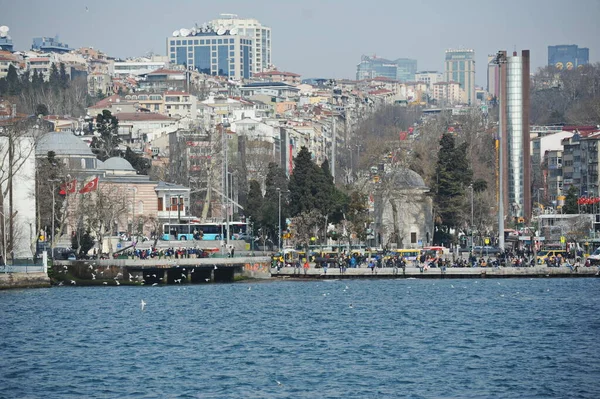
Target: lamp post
column 472, row 222
column 279, row 219
column 3, row 238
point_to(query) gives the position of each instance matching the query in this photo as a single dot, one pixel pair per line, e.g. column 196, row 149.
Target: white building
column 258, row 33
column 429, row 78
column 24, row 231
column 139, row 66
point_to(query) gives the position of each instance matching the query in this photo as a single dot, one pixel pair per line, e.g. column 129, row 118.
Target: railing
column 22, row 269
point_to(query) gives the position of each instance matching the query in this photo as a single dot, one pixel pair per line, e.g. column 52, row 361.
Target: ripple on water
column 411, row 338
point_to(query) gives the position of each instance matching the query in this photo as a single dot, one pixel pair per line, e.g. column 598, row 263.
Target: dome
column 406, row 178
column 117, row 163
column 63, row 144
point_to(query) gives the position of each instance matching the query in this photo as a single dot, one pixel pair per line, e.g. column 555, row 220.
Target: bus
column 192, row 231
column 408, row 254
column 210, row 231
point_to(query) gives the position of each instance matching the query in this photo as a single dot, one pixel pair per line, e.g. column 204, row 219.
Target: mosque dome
column 117, row 163
column 62, row 144
column 406, row 178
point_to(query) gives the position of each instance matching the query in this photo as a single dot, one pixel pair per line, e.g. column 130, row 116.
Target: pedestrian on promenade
column 306, row 266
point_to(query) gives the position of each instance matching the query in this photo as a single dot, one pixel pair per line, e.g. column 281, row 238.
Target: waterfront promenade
column 453, row 272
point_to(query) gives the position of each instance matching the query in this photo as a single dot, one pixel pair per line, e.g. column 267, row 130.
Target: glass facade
column 514, row 133
column 568, row 56
column 214, row 55
column 460, row 68
column 402, row 69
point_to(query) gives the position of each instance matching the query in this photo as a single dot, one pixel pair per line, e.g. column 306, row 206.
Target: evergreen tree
column 302, row 183
column 37, row 80
column 254, row 203
column 12, row 80
column 26, row 81
column 41, row 109
column 54, row 79
column 139, row 163
column 452, row 176
column 106, row 146
column 571, row 206
column 63, row 77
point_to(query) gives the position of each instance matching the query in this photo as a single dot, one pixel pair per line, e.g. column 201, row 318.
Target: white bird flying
column 143, row 304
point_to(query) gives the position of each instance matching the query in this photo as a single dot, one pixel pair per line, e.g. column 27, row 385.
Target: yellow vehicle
column 542, row 256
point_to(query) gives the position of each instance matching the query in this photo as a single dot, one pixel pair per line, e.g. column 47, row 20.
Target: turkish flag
column 68, row 187
column 91, row 186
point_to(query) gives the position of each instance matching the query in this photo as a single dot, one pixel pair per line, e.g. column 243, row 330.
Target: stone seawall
column 24, row 280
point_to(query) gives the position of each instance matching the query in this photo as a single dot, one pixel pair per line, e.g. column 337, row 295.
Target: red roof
column 141, row 116
column 380, row 91
column 106, row 101
column 163, row 71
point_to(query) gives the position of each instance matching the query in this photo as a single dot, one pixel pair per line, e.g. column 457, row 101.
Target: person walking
column 306, row 266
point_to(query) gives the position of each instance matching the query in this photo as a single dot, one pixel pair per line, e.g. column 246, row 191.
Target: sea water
column 488, row 338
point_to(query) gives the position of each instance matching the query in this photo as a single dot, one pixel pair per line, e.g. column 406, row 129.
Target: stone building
column 403, row 210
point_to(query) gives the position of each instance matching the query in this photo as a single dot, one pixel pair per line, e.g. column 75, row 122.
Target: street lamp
column 472, row 195
column 279, row 219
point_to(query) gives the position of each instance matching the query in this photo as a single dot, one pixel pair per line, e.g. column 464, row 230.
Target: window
column 413, row 238
column 140, row 206
column 160, row 204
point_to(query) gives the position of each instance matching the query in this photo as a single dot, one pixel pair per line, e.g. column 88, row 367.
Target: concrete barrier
column 24, row 280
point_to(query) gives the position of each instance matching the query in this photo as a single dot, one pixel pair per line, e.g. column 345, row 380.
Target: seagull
column 93, row 276
column 130, row 276
column 143, row 304
column 207, row 279
column 105, row 283
column 61, row 283
column 155, row 284
column 91, row 267
column 154, row 275
column 87, row 9
column 215, row 267
column 183, row 275
column 278, row 383
column 117, row 282
column 66, row 267
column 347, row 288
column 351, row 307
column 249, row 288
column 192, row 271
column 73, row 282
column 451, row 285
column 178, row 281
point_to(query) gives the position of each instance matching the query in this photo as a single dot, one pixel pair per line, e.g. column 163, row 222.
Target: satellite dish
column 233, row 31
column 194, row 31
column 184, row 32
column 4, row 30
column 176, row 33
column 221, row 31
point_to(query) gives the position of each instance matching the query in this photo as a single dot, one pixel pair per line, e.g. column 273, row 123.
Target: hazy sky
column 322, row 38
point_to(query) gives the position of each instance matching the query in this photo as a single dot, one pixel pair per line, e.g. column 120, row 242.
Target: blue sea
column 485, row 338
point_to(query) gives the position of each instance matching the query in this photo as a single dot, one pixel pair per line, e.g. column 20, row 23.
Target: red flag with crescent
column 90, row 186
column 68, row 188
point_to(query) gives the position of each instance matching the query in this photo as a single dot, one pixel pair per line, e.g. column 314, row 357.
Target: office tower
column 460, row 67
column 401, row 69
column 211, row 51
column 492, row 77
column 514, row 114
column 568, row 56
column 255, row 31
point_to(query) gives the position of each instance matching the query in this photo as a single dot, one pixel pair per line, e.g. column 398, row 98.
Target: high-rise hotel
column 227, row 46
column 460, row 68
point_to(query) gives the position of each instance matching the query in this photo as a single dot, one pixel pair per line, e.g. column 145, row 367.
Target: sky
column 322, row 38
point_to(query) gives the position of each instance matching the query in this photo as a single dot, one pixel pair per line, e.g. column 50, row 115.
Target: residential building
column 139, row 66
column 99, row 83
column 429, row 78
column 278, row 76
column 447, row 93
column 515, row 138
column 259, row 34
column 6, row 60
column 590, row 159
column 493, row 80
column 39, row 65
column 541, row 146
column 180, row 103
column 460, row 67
column 553, row 188
column 568, row 56
column 164, row 79
column 212, row 52
column 402, row 69
column 49, row 45
column 275, row 89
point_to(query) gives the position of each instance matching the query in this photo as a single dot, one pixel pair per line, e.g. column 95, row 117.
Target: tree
column 106, row 145
column 254, row 203
column 54, row 78
column 12, row 80
column 140, row 164
column 41, row 109
column 63, row 77
column 452, row 175
column 571, row 206
column 82, row 240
